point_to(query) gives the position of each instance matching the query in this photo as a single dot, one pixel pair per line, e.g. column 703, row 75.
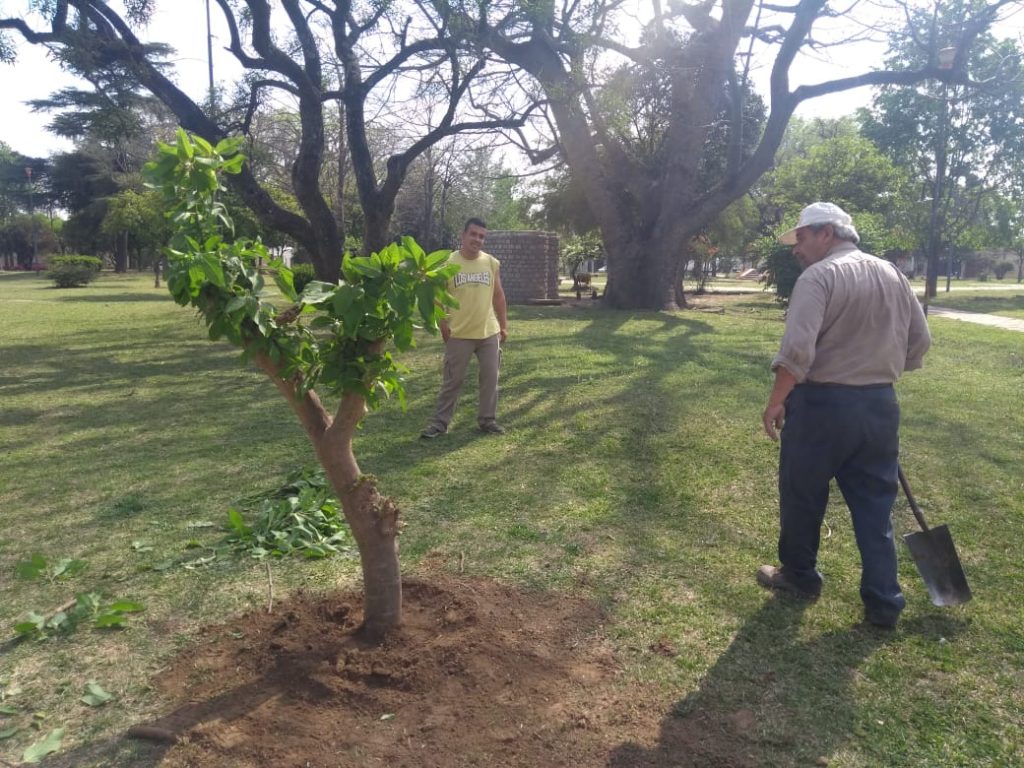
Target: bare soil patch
column 480, row 675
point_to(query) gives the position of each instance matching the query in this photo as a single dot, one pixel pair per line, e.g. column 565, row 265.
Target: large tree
column 962, row 141
column 850, row 171
column 393, row 64
column 699, row 53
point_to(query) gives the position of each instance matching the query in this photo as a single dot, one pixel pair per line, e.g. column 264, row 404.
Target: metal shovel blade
column 937, row 561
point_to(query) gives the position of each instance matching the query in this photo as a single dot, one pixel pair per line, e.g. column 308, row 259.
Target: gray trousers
column 456, row 360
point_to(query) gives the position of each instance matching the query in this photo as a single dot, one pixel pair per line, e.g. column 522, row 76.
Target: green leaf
column 95, row 696
column 213, row 269
column 435, row 259
column 228, row 146
column 32, row 568
column 66, row 568
column 366, row 266
column 234, row 164
column 35, row 623
column 204, row 146
column 126, row 606
column 286, row 283
column 425, row 302
column 237, row 523
column 317, row 292
column 109, row 620
column 410, row 245
column 236, row 303
column 7, row 733
column 47, row 746
column 8, row 711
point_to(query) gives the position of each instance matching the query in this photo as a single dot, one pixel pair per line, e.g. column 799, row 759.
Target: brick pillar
column 529, row 263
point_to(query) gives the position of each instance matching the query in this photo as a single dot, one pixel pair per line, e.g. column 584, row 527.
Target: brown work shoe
column 881, row 620
column 770, row 577
column 432, row 431
column 492, row 428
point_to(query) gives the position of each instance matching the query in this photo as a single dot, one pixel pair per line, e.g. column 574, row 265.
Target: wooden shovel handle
column 910, row 497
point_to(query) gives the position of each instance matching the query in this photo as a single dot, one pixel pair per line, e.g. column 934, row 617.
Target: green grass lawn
column 634, row 472
column 1008, row 302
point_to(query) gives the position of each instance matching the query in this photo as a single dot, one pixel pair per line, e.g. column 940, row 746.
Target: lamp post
column 209, row 53
column 946, row 56
column 31, row 214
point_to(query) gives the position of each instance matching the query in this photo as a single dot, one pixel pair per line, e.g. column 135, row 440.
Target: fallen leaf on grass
column 47, row 746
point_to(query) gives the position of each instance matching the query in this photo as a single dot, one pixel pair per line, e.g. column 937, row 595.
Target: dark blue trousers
column 850, row 434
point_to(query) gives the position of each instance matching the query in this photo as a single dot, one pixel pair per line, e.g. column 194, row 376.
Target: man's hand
column 775, row 413
column 504, row 334
column 772, row 418
column 446, row 331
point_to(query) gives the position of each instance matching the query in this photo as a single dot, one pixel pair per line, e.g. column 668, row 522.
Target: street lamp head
column 946, row 57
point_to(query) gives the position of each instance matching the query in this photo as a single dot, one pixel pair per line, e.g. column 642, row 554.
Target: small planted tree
column 332, row 338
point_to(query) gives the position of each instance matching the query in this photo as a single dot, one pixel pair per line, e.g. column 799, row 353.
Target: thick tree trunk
column 376, row 224
column 642, row 275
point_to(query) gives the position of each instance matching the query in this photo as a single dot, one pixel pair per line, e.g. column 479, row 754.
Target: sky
column 183, row 25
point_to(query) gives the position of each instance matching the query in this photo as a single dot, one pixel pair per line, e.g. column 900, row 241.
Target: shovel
column 935, row 557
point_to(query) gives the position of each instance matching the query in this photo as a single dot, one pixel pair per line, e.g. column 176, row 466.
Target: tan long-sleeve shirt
column 853, row 319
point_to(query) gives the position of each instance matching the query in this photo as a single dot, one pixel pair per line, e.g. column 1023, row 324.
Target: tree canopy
column 651, row 106
column 961, row 141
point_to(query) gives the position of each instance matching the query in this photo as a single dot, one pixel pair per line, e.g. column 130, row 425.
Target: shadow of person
column 778, row 695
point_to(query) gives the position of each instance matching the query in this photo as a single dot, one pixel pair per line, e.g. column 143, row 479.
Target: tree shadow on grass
column 983, row 304
column 777, row 696
column 159, row 294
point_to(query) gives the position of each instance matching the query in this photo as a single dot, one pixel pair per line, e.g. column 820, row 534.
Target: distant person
column 477, row 327
column 853, row 326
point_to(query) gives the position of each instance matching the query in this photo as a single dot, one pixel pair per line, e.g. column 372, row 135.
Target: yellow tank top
column 473, row 287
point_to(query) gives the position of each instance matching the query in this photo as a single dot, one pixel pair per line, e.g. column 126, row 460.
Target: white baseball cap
column 818, row 213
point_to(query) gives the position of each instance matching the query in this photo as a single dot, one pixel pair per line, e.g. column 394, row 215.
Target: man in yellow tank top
column 476, row 327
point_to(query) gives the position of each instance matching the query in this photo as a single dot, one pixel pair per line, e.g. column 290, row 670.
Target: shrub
column 72, row 271
column 783, row 269
column 1001, row 269
column 302, row 275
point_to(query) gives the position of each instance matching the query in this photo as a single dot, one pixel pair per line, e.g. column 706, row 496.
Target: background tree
column 24, row 237
column 15, row 182
column 1000, row 227
column 963, row 140
column 82, row 182
column 114, row 126
column 698, row 52
column 452, row 182
column 851, row 172
column 139, row 218
column 323, row 57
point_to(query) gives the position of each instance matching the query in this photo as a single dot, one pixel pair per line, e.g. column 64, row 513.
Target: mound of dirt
column 479, row 675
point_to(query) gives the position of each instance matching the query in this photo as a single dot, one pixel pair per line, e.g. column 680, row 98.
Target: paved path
column 1007, row 323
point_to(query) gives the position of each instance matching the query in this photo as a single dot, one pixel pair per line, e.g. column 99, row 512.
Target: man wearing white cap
column 853, row 326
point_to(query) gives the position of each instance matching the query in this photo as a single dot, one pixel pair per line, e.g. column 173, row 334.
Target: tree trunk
column 376, row 223
column 121, row 252
column 642, row 276
column 372, row 517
